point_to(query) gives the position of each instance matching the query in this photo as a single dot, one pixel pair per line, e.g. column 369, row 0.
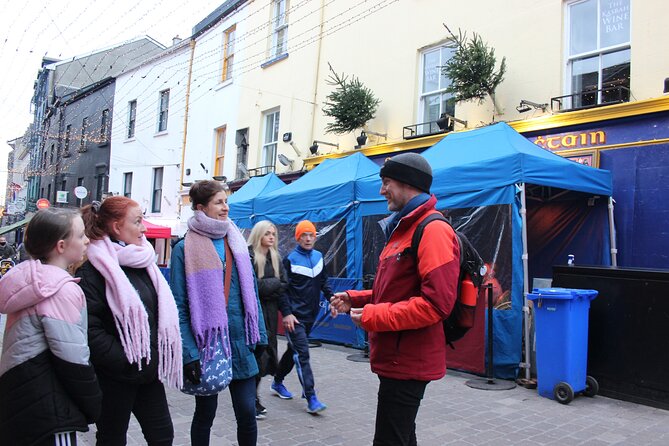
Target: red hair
column 98, row 217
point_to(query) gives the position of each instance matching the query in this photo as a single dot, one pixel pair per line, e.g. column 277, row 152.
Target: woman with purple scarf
column 197, row 281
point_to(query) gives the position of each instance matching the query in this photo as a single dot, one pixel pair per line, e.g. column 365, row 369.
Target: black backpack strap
column 418, row 233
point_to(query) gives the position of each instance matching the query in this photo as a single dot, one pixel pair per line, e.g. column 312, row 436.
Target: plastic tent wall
column 485, row 167
column 328, row 192
column 241, row 202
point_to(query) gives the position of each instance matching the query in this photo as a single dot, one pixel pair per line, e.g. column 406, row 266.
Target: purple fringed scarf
column 204, row 281
column 132, row 322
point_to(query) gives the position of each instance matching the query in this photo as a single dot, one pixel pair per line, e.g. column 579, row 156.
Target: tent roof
column 497, row 156
column 156, row 231
column 331, row 184
column 241, row 202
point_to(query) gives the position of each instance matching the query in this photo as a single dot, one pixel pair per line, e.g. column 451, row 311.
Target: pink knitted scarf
column 129, row 313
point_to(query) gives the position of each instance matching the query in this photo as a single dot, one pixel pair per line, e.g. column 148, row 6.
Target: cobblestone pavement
column 451, row 414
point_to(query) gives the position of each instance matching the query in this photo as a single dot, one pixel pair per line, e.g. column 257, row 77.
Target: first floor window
column 127, row 184
column 434, row 101
column 270, row 141
column 157, row 189
column 219, row 155
column 599, row 54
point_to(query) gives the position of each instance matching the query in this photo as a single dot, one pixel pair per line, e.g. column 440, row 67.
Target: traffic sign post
column 42, row 203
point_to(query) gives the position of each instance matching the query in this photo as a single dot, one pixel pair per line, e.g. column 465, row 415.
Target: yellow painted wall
column 380, row 42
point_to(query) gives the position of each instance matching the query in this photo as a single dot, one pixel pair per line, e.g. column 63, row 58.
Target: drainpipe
column 183, row 145
column 318, row 68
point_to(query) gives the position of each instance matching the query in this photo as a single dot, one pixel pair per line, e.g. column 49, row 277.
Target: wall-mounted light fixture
column 314, row 148
column 283, row 159
column 526, row 106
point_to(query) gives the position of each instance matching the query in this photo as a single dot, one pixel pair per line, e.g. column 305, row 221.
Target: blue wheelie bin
column 561, row 321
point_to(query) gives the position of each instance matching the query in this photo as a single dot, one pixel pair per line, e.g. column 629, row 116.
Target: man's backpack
column 470, row 279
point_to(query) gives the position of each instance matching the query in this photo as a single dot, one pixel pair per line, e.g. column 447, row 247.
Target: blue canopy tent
column 241, row 202
column 494, row 165
column 329, row 196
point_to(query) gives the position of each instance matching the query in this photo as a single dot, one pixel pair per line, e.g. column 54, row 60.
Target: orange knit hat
column 304, row 226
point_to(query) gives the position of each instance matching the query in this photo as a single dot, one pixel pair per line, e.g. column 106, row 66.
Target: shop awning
column 18, row 224
column 156, row 231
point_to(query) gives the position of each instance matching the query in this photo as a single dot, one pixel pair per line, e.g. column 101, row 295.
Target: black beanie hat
column 409, row 168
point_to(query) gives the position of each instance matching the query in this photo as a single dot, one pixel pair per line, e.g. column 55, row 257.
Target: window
column 51, row 153
column 104, row 126
column 127, row 184
column 270, row 141
column 164, row 108
column 433, row 99
column 228, row 53
column 66, row 147
column 132, row 117
column 220, row 151
column 241, row 140
column 279, row 28
column 598, row 45
column 84, row 129
column 157, row 189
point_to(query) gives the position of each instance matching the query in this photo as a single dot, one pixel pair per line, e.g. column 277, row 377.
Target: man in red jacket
column 411, row 296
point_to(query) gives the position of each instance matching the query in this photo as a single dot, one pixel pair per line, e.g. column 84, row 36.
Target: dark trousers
column 269, row 359
column 146, row 401
column 243, row 395
column 297, row 354
column 396, row 411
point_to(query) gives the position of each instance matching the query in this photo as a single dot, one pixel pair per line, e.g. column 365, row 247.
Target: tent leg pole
column 526, row 282
column 612, row 235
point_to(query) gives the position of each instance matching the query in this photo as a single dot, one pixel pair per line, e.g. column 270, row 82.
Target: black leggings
column 146, row 401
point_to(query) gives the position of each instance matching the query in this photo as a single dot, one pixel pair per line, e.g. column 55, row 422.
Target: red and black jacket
column 410, row 298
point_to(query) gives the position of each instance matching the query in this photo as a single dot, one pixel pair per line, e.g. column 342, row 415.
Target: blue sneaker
column 315, row 406
column 280, row 390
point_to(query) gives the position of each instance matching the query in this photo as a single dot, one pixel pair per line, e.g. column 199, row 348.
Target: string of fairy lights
column 206, row 75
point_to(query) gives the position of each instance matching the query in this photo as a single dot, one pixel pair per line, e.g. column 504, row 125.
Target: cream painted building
column 552, row 48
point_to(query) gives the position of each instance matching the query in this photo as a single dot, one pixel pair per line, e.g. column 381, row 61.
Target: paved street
column 452, row 413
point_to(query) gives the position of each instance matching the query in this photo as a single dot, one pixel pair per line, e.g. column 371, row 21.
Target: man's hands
column 289, row 322
column 340, row 303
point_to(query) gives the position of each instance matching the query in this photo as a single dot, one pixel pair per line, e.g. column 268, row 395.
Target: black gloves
column 192, row 372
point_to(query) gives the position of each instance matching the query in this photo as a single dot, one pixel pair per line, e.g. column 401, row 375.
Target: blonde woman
column 271, row 284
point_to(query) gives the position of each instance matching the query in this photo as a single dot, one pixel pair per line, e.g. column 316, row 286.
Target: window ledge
column 129, row 140
column 223, row 84
column 161, row 133
column 278, row 58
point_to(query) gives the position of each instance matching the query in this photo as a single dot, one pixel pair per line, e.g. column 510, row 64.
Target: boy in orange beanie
column 299, row 306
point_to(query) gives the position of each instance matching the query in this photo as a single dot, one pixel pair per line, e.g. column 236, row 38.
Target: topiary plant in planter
column 351, row 104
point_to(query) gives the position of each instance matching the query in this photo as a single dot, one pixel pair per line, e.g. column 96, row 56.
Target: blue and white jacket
column 306, row 279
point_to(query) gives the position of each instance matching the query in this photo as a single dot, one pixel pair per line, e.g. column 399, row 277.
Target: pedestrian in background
column 198, row 266
column 7, row 251
column 133, row 326
column 299, row 306
column 48, row 388
column 404, row 310
column 271, row 285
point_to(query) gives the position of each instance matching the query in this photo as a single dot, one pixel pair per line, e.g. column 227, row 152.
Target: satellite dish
column 283, row 159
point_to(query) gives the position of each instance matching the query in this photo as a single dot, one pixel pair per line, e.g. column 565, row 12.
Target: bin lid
column 561, row 293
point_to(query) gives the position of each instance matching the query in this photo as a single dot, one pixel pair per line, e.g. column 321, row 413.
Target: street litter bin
column 561, row 320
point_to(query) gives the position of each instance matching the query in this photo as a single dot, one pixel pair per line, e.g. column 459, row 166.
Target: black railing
column 441, row 125
column 259, row 171
column 591, row 98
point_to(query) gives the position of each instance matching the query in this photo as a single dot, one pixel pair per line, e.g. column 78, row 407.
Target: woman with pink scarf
column 197, row 274
column 133, row 324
